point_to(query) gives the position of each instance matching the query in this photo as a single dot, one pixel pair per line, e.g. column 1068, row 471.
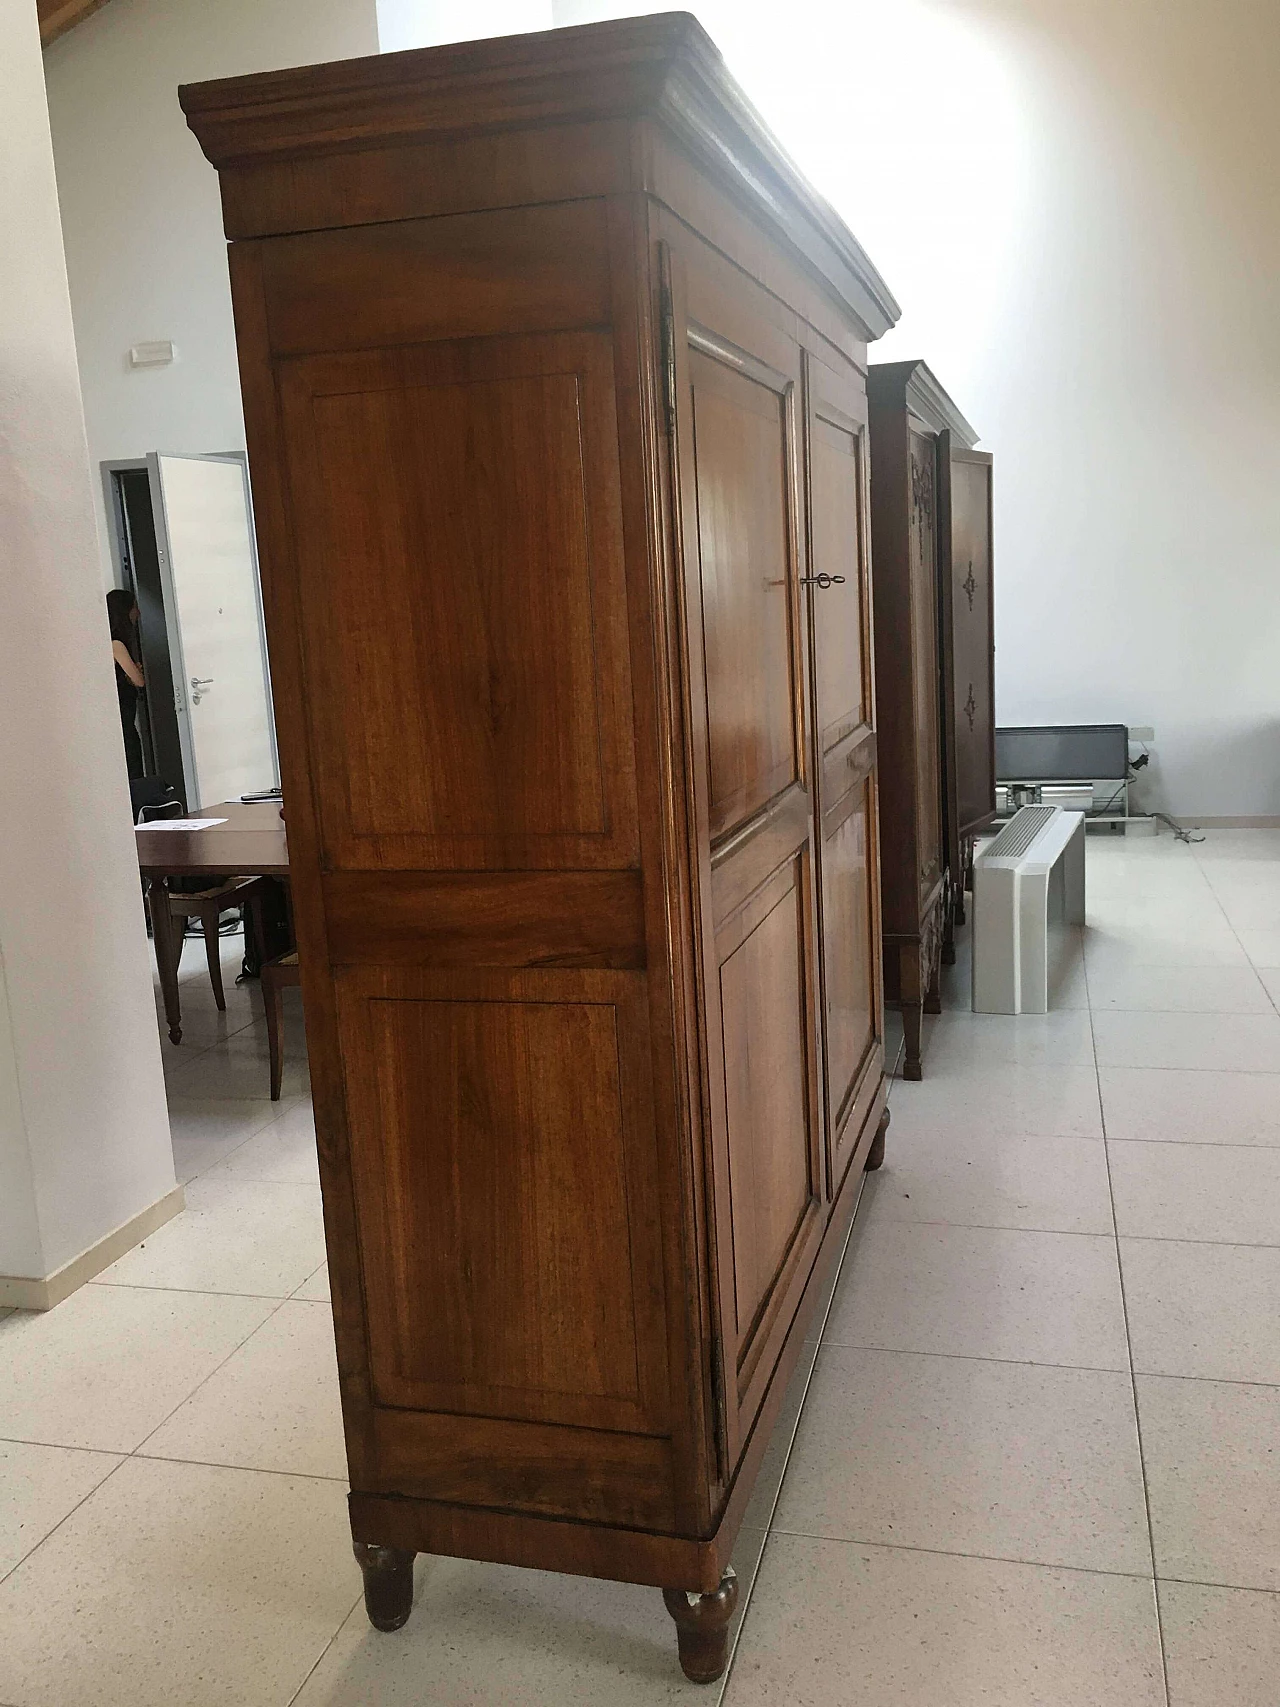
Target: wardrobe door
column 844, row 750
column 736, row 440
column 925, row 661
column 972, row 638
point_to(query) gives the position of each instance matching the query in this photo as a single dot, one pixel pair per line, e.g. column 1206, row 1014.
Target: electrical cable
column 1136, row 765
column 1103, row 810
column 1161, row 817
column 1179, row 832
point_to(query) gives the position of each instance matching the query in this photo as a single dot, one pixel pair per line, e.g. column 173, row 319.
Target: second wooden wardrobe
column 935, row 683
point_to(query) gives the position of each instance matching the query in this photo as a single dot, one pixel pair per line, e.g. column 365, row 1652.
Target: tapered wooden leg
column 933, row 995
column 911, row 984
column 949, row 938
column 273, row 1002
column 162, row 940
column 209, row 917
column 912, row 1066
column 388, row 1584
column 875, row 1155
column 702, row 1627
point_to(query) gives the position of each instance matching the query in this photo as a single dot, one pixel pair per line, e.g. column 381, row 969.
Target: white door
column 214, row 616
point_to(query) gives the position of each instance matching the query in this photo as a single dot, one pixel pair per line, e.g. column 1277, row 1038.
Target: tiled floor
column 1034, row 1460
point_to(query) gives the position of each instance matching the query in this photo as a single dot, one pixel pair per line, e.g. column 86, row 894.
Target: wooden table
column 251, row 843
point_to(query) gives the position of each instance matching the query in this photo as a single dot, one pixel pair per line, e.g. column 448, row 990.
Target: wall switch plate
column 1141, row 732
column 159, row 353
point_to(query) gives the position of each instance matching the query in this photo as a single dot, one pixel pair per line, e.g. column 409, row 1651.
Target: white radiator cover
column 1029, row 878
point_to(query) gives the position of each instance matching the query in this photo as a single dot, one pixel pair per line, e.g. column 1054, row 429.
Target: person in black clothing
column 122, row 613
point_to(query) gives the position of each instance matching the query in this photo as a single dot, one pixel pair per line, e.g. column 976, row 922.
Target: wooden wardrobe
column 554, row 379
column 968, row 657
column 931, row 546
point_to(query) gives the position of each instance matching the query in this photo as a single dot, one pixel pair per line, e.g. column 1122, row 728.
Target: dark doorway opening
column 140, row 570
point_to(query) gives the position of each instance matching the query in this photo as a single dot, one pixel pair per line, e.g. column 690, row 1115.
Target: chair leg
column 273, row 1002
column 253, row 921
column 209, row 917
column 167, row 951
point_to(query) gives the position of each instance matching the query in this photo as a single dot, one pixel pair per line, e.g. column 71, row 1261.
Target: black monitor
column 1073, row 752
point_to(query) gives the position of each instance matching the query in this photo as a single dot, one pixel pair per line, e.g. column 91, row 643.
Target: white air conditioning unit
column 1072, row 796
column 1086, row 797
column 1029, row 878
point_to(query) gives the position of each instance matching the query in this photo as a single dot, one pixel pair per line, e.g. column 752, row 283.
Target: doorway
column 182, row 539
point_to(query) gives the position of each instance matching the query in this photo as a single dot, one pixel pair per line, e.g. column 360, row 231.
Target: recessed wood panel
column 464, row 613
column 740, row 427
column 566, row 1472
column 497, row 918
column 483, row 679
column 762, row 1002
column 924, row 626
column 493, row 1207
column 972, row 712
column 848, row 915
column 835, row 483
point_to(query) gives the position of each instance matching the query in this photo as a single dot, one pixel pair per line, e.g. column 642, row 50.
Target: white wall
column 140, row 209
column 1116, row 340
column 84, row 1131
column 428, row 23
column 1078, row 206
column 1075, row 205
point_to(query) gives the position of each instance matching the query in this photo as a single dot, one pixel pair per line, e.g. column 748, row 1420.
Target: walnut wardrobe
column 554, row 379
column 967, row 590
column 935, row 674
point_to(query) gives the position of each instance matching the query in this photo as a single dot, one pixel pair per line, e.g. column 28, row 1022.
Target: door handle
column 822, row 580
column 198, row 682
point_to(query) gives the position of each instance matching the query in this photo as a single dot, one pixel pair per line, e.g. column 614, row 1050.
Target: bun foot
column 875, row 1155
column 702, row 1627
column 388, row 1584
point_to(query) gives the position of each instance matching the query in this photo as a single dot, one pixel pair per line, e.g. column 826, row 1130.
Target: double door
column 769, row 444
column 922, row 462
column 968, row 615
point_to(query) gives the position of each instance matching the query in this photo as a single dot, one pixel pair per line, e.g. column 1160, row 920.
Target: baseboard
column 18, row 1293
column 1194, row 823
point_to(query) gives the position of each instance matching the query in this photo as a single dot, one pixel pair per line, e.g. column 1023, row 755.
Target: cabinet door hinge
column 668, row 328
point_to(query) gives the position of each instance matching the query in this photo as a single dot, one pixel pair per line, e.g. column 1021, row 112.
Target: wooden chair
column 208, row 905
column 277, row 975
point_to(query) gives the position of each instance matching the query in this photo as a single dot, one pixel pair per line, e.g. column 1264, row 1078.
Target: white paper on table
column 181, row 824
